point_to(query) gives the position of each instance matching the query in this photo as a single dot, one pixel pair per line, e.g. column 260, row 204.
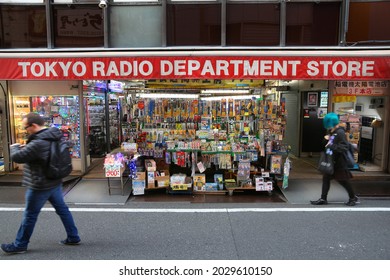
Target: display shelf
column 21, row 108
column 232, row 190
column 211, row 192
column 207, row 152
column 59, row 111
column 183, row 150
column 155, row 188
column 216, row 152
column 172, row 191
column 225, row 134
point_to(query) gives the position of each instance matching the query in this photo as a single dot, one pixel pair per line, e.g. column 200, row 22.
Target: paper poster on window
column 366, row 132
column 312, row 99
column 324, row 99
column 322, row 112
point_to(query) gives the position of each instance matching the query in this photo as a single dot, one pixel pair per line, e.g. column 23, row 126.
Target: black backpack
column 59, row 163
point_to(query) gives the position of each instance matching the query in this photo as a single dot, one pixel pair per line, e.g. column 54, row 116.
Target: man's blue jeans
column 35, row 200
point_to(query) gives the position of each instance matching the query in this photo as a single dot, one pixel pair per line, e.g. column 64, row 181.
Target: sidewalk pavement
column 79, row 191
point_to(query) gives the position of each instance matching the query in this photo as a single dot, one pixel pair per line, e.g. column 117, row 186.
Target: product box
column 138, row 187
column 141, row 176
column 218, row 178
column 163, row 178
column 178, row 179
column 151, row 179
column 230, row 183
column 199, row 182
column 262, row 185
column 184, row 186
column 150, row 165
column 211, row 187
column 269, row 186
column 259, row 183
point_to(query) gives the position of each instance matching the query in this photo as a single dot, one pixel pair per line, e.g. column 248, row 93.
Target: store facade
column 97, row 99
column 288, row 63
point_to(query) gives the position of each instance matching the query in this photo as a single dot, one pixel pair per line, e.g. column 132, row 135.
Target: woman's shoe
column 352, row 201
column 319, row 202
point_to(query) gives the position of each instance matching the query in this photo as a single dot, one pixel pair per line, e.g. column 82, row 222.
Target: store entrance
column 102, row 109
column 95, row 124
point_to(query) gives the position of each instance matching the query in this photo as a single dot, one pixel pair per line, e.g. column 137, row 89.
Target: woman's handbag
column 349, row 159
column 325, row 165
column 348, row 156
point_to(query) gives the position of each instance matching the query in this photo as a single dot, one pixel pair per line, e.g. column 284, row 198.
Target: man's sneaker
column 12, row 249
column 319, row 202
column 352, row 201
column 70, row 242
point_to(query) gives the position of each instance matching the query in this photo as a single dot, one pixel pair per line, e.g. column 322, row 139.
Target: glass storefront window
column 253, row 24
column 59, row 111
column 135, row 26
column 78, row 26
column 23, row 27
column 193, row 24
column 369, row 21
column 22, row 106
column 312, row 24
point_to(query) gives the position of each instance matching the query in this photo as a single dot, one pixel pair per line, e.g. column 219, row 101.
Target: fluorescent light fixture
column 135, row 1
column 225, row 91
column 193, row 1
column 64, row 1
column 235, row 97
column 168, row 95
column 21, row 1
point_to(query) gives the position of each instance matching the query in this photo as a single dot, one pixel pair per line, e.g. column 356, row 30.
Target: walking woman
column 336, row 144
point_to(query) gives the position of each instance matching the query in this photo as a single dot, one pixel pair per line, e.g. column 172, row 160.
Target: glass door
column 95, row 118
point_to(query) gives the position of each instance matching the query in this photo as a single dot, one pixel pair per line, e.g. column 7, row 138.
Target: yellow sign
column 179, row 187
column 343, row 98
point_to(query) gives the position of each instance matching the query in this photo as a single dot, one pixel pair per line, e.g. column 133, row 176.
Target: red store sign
column 193, row 67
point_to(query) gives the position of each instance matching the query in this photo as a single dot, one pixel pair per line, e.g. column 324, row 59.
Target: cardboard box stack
column 150, row 166
column 162, row 178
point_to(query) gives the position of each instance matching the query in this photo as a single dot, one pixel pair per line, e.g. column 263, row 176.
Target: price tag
column 113, row 172
column 179, row 187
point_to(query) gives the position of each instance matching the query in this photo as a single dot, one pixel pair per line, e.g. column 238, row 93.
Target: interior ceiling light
column 225, row 91
column 168, row 95
column 235, row 97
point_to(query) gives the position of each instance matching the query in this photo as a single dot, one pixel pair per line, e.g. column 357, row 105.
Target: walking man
column 35, row 155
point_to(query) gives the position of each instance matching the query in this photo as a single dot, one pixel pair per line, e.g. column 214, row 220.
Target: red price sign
column 113, row 172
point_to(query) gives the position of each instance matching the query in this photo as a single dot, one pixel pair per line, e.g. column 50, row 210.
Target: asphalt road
column 210, row 232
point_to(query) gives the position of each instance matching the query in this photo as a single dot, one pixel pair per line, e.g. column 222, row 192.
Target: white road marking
column 209, row 210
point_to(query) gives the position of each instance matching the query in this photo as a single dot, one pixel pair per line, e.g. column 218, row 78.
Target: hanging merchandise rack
column 196, row 134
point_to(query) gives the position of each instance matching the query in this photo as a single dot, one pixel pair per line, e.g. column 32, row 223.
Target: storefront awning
column 256, row 65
